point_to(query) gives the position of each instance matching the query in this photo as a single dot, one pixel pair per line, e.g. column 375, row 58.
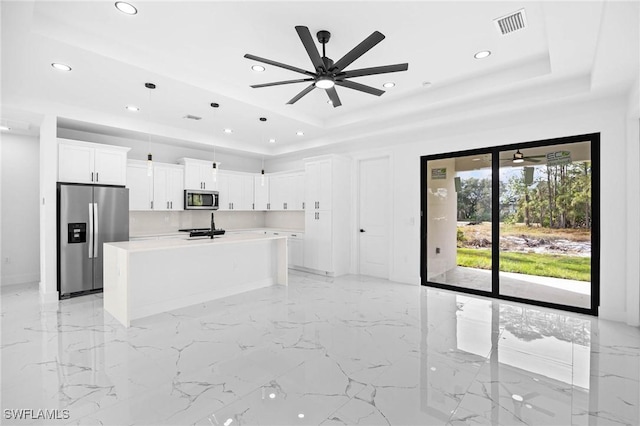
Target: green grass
column 543, row 265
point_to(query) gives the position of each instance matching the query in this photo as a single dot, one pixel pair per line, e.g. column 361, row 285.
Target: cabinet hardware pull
column 171, row 204
column 253, row 206
column 91, row 176
column 97, row 177
column 152, row 205
column 167, row 205
column 303, row 205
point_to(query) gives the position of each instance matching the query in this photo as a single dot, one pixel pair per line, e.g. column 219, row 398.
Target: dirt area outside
column 527, row 239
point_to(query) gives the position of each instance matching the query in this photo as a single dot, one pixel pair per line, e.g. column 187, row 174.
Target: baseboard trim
column 612, row 314
column 20, row 279
column 405, row 279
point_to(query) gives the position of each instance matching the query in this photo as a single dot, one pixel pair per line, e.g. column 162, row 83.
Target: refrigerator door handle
column 90, row 230
column 96, row 225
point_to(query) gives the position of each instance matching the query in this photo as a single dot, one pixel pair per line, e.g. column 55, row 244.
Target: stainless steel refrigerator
column 88, row 216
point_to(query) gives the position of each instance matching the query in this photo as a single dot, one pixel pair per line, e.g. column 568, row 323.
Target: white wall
column 619, row 181
column 20, row 214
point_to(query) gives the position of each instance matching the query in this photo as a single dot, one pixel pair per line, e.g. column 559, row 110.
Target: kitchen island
column 143, row 278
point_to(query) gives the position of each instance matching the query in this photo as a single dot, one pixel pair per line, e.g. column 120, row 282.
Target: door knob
column 362, row 230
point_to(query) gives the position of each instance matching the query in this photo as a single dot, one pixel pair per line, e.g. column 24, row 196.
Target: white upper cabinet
column 198, row 174
column 140, row 186
column 261, row 192
column 168, row 192
column 286, row 191
column 85, row 162
column 235, row 190
column 318, row 185
column 163, row 190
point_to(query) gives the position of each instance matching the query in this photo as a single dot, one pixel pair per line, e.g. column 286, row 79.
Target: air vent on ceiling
column 192, row 117
column 512, row 22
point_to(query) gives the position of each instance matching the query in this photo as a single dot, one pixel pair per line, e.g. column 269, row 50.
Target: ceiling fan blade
column 278, row 64
column 375, row 38
column 297, row 97
column 531, row 160
column 373, row 70
column 333, row 95
column 312, row 51
column 278, row 83
column 361, row 87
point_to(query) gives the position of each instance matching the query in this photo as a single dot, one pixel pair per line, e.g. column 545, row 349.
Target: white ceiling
column 194, row 52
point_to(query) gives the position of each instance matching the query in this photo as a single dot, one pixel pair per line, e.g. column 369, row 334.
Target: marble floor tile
column 322, row 351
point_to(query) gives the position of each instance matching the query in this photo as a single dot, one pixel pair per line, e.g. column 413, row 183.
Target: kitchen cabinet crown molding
column 92, row 145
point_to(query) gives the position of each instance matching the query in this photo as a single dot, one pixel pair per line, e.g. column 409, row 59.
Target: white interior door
column 373, row 212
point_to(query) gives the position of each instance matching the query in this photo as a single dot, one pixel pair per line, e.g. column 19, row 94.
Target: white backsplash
column 146, row 223
column 285, row 220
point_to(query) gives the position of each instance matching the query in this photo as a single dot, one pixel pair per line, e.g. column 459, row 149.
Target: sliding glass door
column 459, row 214
column 518, row 222
column 546, row 223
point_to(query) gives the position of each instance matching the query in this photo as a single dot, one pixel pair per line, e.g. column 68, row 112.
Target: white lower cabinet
column 318, row 244
column 296, row 250
column 295, row 247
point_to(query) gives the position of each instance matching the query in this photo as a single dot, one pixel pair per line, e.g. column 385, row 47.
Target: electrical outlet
column 437, row 250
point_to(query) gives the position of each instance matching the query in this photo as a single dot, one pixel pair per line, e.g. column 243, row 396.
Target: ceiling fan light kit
column 327, row 74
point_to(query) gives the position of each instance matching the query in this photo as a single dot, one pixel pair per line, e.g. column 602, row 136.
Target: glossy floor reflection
column 350, row 350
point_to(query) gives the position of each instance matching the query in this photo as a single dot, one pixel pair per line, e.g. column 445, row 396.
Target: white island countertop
column 148, row 277
column 172, row 243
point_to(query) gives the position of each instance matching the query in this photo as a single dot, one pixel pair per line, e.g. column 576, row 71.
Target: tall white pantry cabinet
column 327, row 214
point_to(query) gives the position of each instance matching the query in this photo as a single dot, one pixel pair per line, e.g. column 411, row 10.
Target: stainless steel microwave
column 200, row 200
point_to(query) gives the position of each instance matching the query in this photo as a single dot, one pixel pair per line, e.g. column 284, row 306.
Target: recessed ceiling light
column 426, row 84
column 272, row 395
column 475, row 159
column 300, row 133
column 517, row 397
column 126, row 8
column 132, row 108
column 61, row 67
column 257, row 68
column 228, row 131
column 389, row 84
column 7, row 128
column 272, row 140
column 330, row 102
column 483, row 54
column 301, row 416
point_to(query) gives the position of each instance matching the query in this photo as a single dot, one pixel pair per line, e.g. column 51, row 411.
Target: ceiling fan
column 329, row 74
column 519, row 157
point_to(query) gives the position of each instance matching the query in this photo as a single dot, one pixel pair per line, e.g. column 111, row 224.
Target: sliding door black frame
column 594, row 139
